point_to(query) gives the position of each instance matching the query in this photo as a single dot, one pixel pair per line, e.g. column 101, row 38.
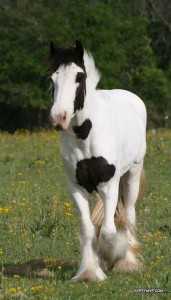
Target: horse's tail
column 142, row 186
column 120, row 217
column 97, row 214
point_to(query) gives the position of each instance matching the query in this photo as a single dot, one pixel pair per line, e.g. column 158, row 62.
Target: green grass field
column 38, row 221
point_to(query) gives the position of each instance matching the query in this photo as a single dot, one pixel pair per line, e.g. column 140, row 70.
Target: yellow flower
column 59, row 267
column 16, row 276
column 156, row 243
column 50, row 260
column 67, row 204
column 1, row 251
column 68, row 214
column 36, row 288
column 22, row 182
column 4, row 209
column 13, row 290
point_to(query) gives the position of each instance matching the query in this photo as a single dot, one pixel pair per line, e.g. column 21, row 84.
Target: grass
column 38, row 221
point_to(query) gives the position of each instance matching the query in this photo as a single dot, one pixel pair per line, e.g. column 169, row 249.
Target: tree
column 128, row 41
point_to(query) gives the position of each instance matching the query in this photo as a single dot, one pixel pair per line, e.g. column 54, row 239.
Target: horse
column 103, row 143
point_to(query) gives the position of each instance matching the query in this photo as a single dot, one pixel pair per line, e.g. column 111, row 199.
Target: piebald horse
column 103, row 143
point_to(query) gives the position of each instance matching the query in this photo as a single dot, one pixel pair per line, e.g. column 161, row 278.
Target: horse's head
column 68, row 83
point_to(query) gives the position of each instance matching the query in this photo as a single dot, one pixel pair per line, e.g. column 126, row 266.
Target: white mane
column 93, row 74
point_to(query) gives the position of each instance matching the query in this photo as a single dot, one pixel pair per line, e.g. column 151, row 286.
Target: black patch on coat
column 83, row 130
column 80, row 95
column 91, row 172
column 80, row 76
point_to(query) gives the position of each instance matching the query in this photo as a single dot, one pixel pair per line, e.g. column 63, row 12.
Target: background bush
column 131, row 44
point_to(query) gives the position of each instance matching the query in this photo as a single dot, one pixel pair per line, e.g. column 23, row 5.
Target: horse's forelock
column 64, row 56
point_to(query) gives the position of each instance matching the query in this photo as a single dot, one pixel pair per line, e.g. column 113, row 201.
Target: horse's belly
column 133, row 148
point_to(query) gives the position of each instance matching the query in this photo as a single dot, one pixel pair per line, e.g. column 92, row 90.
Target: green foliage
column 121, row 40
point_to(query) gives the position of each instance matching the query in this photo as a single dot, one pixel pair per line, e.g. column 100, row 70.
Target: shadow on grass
column 44, row 268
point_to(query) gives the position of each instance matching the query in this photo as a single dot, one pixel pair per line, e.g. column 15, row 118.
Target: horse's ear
column 52, row 48
column 79, row 49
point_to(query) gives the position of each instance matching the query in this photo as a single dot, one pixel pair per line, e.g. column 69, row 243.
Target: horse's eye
column 79, row 77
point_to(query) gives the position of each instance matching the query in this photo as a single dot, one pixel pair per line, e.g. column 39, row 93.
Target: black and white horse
column 103, row 144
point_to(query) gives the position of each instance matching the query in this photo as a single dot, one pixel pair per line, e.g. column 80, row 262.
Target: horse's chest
column 84, row 168
column 71, row 154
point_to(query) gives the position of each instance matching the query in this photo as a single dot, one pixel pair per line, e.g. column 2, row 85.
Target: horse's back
column 127, row 115
column 122, row 100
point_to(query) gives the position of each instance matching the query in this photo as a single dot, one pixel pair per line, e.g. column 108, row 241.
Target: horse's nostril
column 64, row 116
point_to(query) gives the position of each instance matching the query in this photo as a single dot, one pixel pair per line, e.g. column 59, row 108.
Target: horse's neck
column 88, row 112
column 89, row 109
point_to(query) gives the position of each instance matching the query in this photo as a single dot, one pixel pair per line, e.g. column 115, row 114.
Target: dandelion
column 67, row 204
column 50, row 261
column 36, row 288
column 59, row 268
column 22, row 182
column 156, row 243
column 5, row 209
column 14, row 290
column 55, row 199
column 68, row 214
column 159, row 257
column 16, row 276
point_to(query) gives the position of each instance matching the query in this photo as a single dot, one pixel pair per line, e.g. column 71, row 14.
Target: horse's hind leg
column 89, row 269
column 130, row 186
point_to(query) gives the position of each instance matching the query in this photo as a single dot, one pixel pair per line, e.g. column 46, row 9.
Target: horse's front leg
column 113, row 244
column 89, row 269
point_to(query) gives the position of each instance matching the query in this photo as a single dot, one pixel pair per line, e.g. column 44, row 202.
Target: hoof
column 125, row 265
column 89, row 276
column 112, row 248
column 130, row 263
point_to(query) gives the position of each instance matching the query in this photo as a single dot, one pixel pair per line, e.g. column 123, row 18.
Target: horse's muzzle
column 59, row 121
column 59, row 127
